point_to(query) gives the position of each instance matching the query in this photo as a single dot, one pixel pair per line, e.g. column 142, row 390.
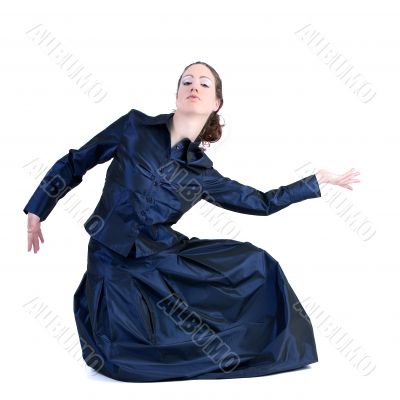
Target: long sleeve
column 68, row 171
column 235, row 196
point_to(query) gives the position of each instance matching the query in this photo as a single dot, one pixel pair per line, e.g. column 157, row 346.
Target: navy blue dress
column 156, row 305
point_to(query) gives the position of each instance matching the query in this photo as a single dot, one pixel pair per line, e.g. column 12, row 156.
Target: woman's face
column 197, row 81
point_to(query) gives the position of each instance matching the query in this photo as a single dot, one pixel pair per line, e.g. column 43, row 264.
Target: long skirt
column 201, row 309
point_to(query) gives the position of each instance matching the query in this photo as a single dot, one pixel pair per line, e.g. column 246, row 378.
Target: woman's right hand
column 34, row 232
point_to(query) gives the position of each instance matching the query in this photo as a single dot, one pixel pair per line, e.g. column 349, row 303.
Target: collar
column 195, row 154
column 149, row 120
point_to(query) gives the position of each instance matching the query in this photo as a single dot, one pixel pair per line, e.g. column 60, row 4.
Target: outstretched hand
column 344, row 180
column 34, row 232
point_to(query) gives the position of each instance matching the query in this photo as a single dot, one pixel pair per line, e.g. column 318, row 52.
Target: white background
column 284, row 107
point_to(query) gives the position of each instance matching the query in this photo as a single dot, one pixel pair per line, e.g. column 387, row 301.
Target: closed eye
column 188, row 83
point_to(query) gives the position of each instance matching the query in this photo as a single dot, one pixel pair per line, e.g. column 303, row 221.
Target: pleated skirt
column 201, row 309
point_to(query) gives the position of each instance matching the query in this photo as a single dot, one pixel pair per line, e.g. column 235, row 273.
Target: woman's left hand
column 344, row 180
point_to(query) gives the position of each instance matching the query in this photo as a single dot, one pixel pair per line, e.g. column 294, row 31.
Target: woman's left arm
column 235, row 196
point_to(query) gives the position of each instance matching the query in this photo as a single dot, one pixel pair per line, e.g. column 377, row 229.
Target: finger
column 347, row 181
column 342, row 180
column 29, row 242
column 350, row 172
column 41, row 236
column 345, row 178
column 35, row 244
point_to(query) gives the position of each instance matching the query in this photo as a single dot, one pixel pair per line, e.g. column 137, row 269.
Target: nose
column 194, row 92
column 195, row 84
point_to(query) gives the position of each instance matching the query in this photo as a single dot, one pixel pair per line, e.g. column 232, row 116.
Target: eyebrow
column 200, row 76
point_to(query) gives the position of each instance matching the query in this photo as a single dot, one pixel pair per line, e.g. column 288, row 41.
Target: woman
column 153, row 304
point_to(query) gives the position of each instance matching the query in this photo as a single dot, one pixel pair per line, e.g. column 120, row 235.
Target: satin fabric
column 155, row 305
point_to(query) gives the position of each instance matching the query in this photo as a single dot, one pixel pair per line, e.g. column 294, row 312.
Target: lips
column 193, row 97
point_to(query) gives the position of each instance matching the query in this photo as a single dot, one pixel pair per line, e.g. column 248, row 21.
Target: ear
column 217, row 103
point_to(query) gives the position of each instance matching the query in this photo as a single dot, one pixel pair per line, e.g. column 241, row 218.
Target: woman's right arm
column 68, row 172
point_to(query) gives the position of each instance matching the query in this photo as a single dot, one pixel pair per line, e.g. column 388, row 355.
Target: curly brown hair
column 212, row 130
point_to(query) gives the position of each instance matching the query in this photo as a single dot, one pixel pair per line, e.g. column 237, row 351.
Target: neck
column 186, row 125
